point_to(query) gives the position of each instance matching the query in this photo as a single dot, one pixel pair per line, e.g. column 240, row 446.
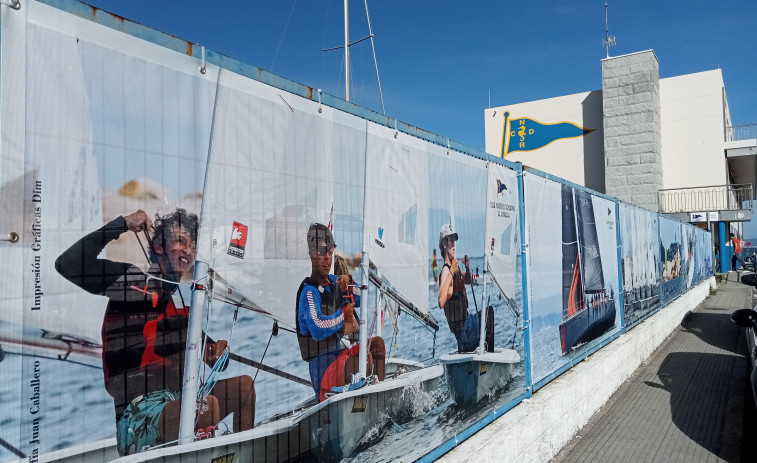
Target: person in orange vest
column 736, row 251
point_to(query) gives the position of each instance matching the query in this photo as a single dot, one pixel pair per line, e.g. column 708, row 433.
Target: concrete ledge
column 536, row 429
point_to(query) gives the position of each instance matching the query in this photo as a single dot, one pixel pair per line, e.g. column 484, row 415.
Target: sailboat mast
column 365, row 269
column 482, row 333
column 346, row 51
column 576, row 209
column 192, row 358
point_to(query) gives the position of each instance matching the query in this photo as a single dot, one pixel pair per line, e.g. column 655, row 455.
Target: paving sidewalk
column 686, row 403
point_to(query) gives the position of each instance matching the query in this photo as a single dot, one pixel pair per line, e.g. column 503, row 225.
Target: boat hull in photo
column 328, row 431
column 586, row 325
column 334, row 428
column 472, row 377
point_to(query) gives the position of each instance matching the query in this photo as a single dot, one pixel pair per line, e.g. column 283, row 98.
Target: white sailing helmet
column 447, row 232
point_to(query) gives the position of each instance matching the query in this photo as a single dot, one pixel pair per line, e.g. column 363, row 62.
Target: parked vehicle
column 748, row 319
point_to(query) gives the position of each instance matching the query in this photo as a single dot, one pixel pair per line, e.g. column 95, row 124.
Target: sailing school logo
column 238, row 240
column 526, row 134
column 610, row 220
column 501, row 187
column 380, row 237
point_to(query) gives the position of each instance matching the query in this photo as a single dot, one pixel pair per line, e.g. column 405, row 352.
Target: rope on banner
column 320, row 108
column 285, row 102
column 15, row 4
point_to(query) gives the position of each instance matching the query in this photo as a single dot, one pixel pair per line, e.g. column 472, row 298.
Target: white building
column 665, row 144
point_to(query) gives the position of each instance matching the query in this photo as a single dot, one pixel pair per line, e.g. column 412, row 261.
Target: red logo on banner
column 238, row 240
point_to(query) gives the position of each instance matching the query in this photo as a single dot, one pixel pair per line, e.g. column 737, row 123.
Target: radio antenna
column 609, row 40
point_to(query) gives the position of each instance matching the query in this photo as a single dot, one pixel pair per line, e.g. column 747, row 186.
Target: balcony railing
column 709, row 198
column 741, row 132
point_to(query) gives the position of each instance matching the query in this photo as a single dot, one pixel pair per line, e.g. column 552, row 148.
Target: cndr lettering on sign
column 521, row 133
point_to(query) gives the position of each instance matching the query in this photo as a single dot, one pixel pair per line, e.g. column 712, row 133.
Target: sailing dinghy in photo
column 257, row 207
column 472, row 376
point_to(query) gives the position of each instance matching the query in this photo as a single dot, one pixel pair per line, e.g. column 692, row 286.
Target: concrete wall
column 536, row 429
column 579, row 160
column 693, row 127
column 633, row 148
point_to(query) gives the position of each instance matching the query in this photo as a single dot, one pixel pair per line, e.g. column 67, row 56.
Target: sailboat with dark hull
column 588, row 308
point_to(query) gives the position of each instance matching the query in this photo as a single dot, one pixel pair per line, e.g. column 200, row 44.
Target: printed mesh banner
column 639, row 263
column 359, row 291
column 700, row 254
column 503, row 287
column 704, row 257
column 132, row 165
column 673, row 258
column 97, row 135
column 480, row 341
column 572, row 273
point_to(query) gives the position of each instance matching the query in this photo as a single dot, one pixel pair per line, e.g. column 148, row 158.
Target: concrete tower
column 632, row 134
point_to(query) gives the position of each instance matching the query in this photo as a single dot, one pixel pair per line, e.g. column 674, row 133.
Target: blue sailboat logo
column 378, row 240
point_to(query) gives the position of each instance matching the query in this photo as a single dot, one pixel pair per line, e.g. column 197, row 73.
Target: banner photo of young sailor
column 309, row 254
column 457, row 220
column 101, row 152
column 672, row 255
column 271, row 172
column 504, row 284
column 573, row 298
column 639, row 263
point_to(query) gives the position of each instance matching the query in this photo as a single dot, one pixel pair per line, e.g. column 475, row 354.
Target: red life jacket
column 149, row 357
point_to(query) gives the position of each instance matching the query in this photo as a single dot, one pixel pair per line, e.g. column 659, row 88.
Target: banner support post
column 524, row 281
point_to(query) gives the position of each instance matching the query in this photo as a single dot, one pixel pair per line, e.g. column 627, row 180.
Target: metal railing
column 708, row 198
column 741, row 132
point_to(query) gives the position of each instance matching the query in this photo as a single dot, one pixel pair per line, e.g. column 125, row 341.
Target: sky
column 442, row 63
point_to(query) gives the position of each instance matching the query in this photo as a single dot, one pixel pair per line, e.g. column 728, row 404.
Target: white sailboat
column 472, row 376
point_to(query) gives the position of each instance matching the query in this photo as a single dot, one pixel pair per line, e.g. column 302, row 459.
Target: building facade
column 664, row 144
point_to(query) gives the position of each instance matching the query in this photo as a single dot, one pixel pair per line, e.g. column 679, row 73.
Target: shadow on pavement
column 715, row 329
column 700, row 387
column 707, row 393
